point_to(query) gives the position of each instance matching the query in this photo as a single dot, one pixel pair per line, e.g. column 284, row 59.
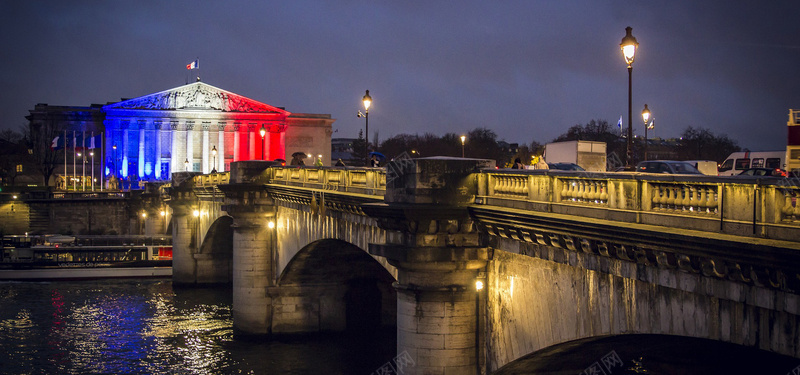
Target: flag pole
column 74, row 173
column 64, row 175
column 83, row 160
column 102, row 161
column 92, row 160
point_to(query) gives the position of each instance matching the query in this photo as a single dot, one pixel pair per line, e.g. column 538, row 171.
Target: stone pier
column 254, row 247
column 434, row 245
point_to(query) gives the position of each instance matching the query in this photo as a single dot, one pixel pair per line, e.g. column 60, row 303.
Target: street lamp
column 463, row 138
column 214, row 155
column 263, row 132
column 91, row 153
column 83, row 170
column 628, row 47
column 416, row 152
column 367, row 102
column 646, row 118
column 115, row 160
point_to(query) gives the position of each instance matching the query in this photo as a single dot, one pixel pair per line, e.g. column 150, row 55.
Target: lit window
column 19, row 168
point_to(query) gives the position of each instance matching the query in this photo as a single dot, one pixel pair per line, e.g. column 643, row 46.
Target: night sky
column 526, row 69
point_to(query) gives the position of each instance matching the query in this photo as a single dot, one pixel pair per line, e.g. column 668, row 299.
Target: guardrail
column 766, row 207
column 357, row 180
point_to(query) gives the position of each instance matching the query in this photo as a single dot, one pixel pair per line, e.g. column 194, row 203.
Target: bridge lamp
column 367, row 103
column 463, row 139
column 271, row 224
column 214, row 154
column 628, row 47
column 196, row 213
column 478, row 285
column 263, row 132
column 163, row 213
column 646, row 118
column 144, row 215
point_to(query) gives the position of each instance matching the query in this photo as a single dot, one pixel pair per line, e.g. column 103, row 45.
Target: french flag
column 194, row 65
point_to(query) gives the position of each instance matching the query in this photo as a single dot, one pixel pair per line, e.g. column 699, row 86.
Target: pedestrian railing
column 766, row 207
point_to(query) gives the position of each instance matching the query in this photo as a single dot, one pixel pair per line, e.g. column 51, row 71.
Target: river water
column 147, row 327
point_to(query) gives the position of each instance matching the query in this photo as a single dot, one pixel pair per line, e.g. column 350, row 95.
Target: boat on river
column 59, row 257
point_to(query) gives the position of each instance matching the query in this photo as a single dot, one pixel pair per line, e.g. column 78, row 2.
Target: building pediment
column 196, row 96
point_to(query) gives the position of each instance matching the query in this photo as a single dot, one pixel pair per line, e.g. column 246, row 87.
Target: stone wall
column 549, row 296
column 69, row 216
column 14, row 217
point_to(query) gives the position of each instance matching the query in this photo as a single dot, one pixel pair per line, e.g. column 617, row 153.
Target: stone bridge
column 562, row 255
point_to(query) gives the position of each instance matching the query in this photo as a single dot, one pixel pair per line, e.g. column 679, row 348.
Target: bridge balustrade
column 368, row 181
column 754, row 207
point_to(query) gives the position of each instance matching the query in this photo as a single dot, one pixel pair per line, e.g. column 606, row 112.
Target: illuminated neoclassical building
column 196, row 127
column 199, row 127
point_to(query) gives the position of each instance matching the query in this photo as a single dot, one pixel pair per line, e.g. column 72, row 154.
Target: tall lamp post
column 91, row 153
column 115, row 160
column 263, row 132
column 463, row 138
column 214, row 156
column 628, row 47
column 367, row 102
column 646, row 118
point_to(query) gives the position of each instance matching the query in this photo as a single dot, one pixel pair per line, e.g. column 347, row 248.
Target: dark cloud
column 526, row 69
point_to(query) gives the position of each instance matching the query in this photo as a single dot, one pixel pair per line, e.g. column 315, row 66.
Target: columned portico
column 194, row 112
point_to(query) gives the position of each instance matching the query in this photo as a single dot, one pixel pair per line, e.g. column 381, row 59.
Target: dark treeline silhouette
column 694, row 144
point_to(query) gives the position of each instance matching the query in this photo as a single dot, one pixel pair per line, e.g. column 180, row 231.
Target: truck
column 739, row 161
column 589, row 155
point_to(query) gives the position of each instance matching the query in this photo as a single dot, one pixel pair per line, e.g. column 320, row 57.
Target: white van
column 707, row 167
column 739, row 161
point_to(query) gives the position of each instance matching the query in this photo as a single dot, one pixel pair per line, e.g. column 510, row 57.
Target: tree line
column 695, row 143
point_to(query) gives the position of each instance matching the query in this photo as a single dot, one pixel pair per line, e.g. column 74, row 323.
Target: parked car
column 765, row 172
column 565, row 166
column 667, row 166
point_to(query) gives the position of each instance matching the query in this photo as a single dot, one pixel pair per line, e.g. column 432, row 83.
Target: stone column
column 174, row 158
column 251, row 144
column 189, row 147
column 206, row 150
column 221, row 148
column 254, row 246
column 438, row 254
column 125, row 151
column 265, row 145
column 277, row 144
column 140, row 171
column 157, row 167
column 236, row 140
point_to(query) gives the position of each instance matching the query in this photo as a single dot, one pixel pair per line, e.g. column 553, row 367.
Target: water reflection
column 135, row 327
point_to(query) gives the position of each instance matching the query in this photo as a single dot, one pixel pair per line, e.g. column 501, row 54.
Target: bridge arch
column 215, row 255
column 650, row 353
column 333, row 285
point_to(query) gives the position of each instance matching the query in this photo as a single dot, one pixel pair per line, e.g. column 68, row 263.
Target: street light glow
column 196, row 213
column 367, row 100
column 478, row 285
column 629, row 46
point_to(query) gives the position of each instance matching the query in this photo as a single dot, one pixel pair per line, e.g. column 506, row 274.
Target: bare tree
column 40, row 138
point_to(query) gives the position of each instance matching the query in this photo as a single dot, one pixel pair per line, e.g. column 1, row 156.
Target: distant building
column 153, row 136
column 342, row 148
column 793, row 140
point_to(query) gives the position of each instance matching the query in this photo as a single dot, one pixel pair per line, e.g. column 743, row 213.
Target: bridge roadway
column 563, row 256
